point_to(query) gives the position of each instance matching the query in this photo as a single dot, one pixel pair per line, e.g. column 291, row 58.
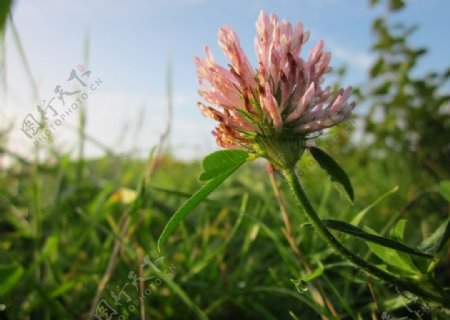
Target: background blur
column 80, row 213
column 129, row 46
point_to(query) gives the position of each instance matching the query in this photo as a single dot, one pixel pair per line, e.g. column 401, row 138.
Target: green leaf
column 377, row 68
column 50, row 250
column 5, row 7
column 315, row 274
column 219, row 161
column 333, row 169
column 139, row 202
column 434, row 243
column 395, row 5
column 399, row 230
column 357, row 219
column 199, row 196
column 373, row 238
column 9, row 276
column 63, row 288
column 444, row 189
column 394, row 257
column 301, row 283
column 383, row 88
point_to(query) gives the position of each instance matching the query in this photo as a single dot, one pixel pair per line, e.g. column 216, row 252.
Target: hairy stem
column 400, row 283
column 318, row 294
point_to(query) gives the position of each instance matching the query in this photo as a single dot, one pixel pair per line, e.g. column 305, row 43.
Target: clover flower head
column 282, row 99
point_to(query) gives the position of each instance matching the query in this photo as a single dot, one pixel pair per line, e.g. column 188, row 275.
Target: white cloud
column 352, row 57
column 112, row 119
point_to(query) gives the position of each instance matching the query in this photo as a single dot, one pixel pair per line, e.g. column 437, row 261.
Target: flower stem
column 401, row 283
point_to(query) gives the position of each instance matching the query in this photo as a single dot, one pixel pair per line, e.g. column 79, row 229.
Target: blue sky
column 131, row 43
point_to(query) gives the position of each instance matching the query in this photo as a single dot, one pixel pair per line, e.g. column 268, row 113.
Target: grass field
column 78, row 235
column 73, row 241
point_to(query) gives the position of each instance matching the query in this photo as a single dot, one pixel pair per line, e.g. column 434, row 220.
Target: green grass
column 230, row 259
column 71, row 239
